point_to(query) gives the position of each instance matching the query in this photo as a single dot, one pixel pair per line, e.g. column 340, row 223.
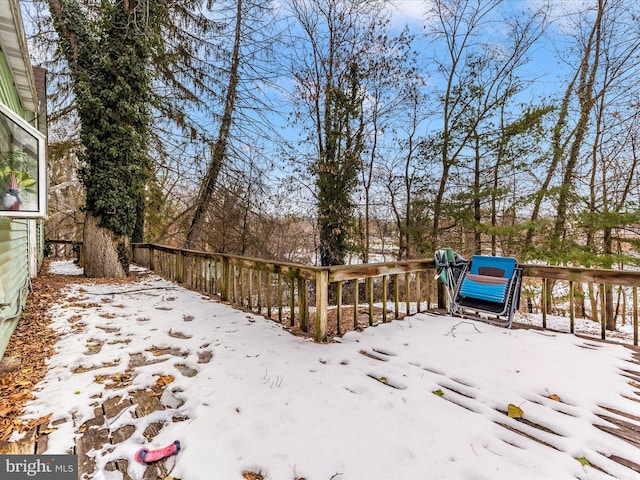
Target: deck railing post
column 322, row 301
column 152, row 258
column 396, row 295
column 385, row 286
column 407, row 293
column 603, row 312
column 303, row 302
column 370, row 299
column 418, row 292
column 280, row 298
column 544, row 303
column 635, row 316
column 269, row 294
column 572, row 313
column 292, row 302
column 338, row 307
column 180, row 266
column 225, row 280
column 356, row 301
column 442, row 296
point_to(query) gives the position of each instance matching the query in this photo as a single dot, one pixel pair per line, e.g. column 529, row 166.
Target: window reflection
column 21, row 184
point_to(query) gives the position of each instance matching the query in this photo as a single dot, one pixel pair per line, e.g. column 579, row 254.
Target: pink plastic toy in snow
column 144, row 455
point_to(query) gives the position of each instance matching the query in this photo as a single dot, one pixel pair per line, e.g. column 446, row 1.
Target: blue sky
column 547, row 66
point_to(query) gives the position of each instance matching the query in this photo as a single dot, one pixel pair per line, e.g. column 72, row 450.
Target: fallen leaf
column 514, row 411
column 252, row 476
column 165, row 380
column 583, row 461
column 438, row 392
column 555, row 397
column 4, row 410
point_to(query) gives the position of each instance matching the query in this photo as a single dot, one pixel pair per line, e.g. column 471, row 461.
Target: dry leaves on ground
column 31, row 344
column 259, row 476
column 29, row 347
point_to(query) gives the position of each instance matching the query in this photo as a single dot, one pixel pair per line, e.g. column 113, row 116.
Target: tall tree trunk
column 500, row 154
column 105, row 255
column 398, row 219
column 367, row 181
column 558, row 147
column 610, row 322
column 477, row 210
column 107, row 56
column 219, row 150
column 408, row 188
column 586, row 101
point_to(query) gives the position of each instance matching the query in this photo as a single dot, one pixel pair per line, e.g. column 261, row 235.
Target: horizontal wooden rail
column 328, row 301
column 64, row 249
column 578, row 274
column 351, row 272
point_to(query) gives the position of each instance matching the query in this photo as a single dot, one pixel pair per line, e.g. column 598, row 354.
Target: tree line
column 322, row 131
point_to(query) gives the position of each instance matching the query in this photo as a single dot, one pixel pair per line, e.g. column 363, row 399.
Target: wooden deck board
column 95, row 433
column 625, row 462
column 624, row 433
column 147, row 403
column 24, row 446
column 112, row 407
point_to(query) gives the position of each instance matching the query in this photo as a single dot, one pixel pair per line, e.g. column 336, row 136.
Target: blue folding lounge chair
column 488, row 290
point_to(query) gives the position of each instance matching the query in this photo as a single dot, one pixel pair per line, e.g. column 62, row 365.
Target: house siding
column 8, row 92
column 21, row 240
column 14, row 275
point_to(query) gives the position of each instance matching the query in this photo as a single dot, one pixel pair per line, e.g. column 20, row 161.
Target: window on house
column 23, row 180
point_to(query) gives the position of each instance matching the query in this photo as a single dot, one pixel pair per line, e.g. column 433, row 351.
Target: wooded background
column 328, row 132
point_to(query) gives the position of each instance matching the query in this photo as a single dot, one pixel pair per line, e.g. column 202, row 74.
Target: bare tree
column 393, row 86
column 333, row 38
column 613, row 156
column 481, row 79
column 459, row 24
column 219, row 148
column 116, row 107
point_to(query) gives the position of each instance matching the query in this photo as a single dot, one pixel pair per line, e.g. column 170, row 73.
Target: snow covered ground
column 422, row 398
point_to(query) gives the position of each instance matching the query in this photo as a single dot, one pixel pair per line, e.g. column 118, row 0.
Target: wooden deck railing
column 328, row 301
column 559, row 290
column 299, row 296
column 63, row 249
